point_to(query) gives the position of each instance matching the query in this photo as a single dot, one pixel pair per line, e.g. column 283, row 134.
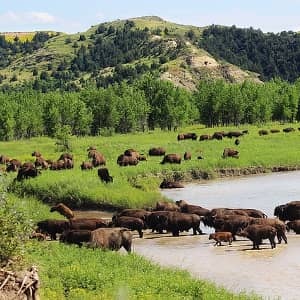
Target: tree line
column 145, row 104
column 269, row 54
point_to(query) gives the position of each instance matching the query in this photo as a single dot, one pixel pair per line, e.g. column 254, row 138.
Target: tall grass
column 138, row 186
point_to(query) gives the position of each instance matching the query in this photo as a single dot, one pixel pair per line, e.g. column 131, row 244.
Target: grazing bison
column 57, row 165
column 289, row 129
column 167, row 184
column 87, row 223
column 157, row 151
column 27, row 171
column 191, row 209
column 256, row 233
column 75, row 237
column 92, row 153
column 187, row 156
column 98, row 159
column 132, row 152
column 245, row 131
column 217, row 136
column 63, row 210
column 163, row 205
column 66, row 156
column 86, row 165
column 103, row 174
column 52, row 227
column 130, row 223
column 288, row 212
column 221, row 237
column 4, row 159
column 177, row 222
column 232, row 134
column 124, row 160
column 180, row 137
column 90, row 148
column 277, row 224
column 263, row 132
column 172, row 159
column 294, row 225
column 237, row 142
column 204, row 137
column 274, row 130
column 111, row 238
column 230, row 153
column 36, row 154
column 41, row 162
column 13, row 165
column 186, row 136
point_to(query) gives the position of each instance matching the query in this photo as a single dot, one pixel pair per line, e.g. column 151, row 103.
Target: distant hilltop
column 16, row 33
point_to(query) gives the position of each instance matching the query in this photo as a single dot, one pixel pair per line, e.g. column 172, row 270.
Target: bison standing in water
column 130, row 223
column 256, row 233
column 172, row 159
column 294, row 225
column 221, row 237
column 288, row 212
column 167, row 184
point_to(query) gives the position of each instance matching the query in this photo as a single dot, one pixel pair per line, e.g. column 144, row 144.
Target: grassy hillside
column 184, row 67
column 137, row 186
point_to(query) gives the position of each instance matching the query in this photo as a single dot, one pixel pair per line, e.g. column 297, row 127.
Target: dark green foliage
column 82, row 38
column 269, row 54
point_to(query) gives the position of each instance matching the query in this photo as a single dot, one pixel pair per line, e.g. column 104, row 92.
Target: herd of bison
column 165, row 217
column 172, row 218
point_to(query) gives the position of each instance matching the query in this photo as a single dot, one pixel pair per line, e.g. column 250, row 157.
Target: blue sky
column 74, row 15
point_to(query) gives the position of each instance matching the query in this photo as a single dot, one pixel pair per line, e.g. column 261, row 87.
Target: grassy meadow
column 137, row 186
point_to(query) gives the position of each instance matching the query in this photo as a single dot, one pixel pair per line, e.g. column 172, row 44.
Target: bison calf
column 221, row 237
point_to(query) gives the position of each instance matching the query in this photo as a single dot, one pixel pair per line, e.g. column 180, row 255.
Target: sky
column 73, row 16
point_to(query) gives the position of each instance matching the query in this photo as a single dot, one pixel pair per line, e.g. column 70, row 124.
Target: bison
column 98, row 159
column 294, row 225
column 27, row 172
column 136, row 213
column 230, row 153
column 87, row 223
column 204, row 137
column 191, row 209
column 157, row 220
column 4, row 159
column 63, row 210
column 86, row 165
column 167, row 184
column 289, row 129
column 41, row 162
column 288, row 212
column 274, row 130
column 103, row 174
column 221, row 237
column 130, row 223
column 157, row 151
column 232, row 134
column 163, row 205
column 217, row 136
column 66, row 156
column 124, row 160
column 13, row 165
column 256, row 233
column 52, row 227
column 75, row 237
column 263, row 132
column 36, row 154
column 111, row 238
column 172, row 159
column 187, row 156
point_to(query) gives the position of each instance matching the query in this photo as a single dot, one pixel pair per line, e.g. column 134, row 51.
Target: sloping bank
column 139, row 191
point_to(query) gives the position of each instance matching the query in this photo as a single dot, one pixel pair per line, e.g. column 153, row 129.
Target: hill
column 112, row 51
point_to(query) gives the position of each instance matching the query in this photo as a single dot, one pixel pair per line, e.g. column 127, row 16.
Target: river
column 270, row 273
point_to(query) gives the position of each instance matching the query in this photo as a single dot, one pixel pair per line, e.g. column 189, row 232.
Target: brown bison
column 294, row 225
column 190, row 135
column 221, row 237
column 92, row 153
column 57, row 165
column 4, row 159
column 125, row 160
column 41, row 162
column 63, row 210
column 27, row 171
column 90, row 148
column 263, row 132
column 75, row 237
column 157, row 151
column 68, row 163
column 111, row 238
column 172, row 159
column 66, row 156
column 187, row 156
column 130, row 223
column 157, row 220
column 36, row 154
column 52, row 227
column 232, row 134
column 103, row 174
column 237, row 142
column 136, row 213
column 217, row 136
column 177, row 222
column 230, row 153
column 204, row 137
column 163, row 205
column 87, row 223
column 180, row 137
column 274, row 130
column 288, row 212
column 256, row 233
column 167, row 184
column 191, row 209
column 289, row 129
column 277, row 224
column 13, row 165
column 86, row 165
column 98, row 159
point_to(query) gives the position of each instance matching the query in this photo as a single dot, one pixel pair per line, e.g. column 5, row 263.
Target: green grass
column 138, row 186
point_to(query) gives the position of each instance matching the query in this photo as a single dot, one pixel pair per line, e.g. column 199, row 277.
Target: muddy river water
column 271, row 273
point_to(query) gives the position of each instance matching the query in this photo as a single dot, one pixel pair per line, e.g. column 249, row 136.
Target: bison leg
column 140, row 233
column 220, row 244
column 230, row 241
column 216, row 244
column 53, row 236
column 175, row 232
column 284, row 237
column 279, row 237
column 272, row 242
column 127, row 246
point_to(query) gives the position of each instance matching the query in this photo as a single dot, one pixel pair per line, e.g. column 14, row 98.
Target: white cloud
column 32, row 17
